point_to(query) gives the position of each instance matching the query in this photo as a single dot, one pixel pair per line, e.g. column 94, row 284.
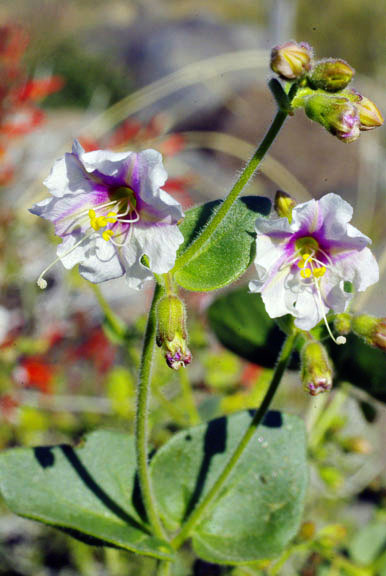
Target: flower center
column 102, row 218
column 312, row 268
column 309, row 265
column 125, row 203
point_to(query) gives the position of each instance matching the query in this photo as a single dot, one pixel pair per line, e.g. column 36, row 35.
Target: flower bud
column 331, row 75
column 372, row 329
column 291, row 60
column 171, row 332
column 369, row 115
column 336, row 113
column 316, row 368
column 284, row 204
column 342, row 323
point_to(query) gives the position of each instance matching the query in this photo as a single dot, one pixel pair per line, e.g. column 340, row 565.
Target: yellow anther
column 301, row 263
column 91, row 214
column 319, row 272
column 111, row 217
column 101, row 221
column 306, row 273
column 306, row 256
column 107, row 235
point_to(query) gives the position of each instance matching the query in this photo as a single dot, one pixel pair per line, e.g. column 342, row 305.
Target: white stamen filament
column 341, row 339
column 41, row 282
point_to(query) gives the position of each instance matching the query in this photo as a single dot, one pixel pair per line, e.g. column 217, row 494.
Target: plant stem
column 141, row 429
column 242, row 181
column 199, row 511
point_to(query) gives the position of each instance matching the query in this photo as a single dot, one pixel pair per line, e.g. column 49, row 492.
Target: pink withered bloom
column 110, row 210
column 309, row 264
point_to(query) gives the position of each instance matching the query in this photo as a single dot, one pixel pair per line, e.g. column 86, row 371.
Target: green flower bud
column 316, row 368
column 336, row 113
column 284, row 204
column 342, row 323
column 372, row 329
column 331, row 75
column 171, row 332
column 369, row 115
column 291, row 60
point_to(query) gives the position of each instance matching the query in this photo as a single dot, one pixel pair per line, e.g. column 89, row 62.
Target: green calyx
column 171, row 332
column 316, row 368
column 331, row 75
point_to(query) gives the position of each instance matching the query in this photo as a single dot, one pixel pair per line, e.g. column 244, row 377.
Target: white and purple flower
column 110, row 210
column 307, row 265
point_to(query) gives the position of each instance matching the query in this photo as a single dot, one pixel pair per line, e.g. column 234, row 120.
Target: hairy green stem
column 141, row 428
column 202, row 508
column 238, row 187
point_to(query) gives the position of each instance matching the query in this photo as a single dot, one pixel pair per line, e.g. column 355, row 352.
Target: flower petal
column 98, row 260
column 160, row 243
column 155, row 205
column 68, row 177
column 336, row 213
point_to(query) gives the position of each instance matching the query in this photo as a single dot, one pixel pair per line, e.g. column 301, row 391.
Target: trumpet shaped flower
column 308, row 264
column 110, row 211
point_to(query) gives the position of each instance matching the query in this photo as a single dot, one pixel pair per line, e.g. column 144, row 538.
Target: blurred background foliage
column 65, row 365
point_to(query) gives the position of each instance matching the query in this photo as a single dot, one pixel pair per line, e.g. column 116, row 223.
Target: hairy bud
column 372, row 329
column 291, row 60
column 284, row 204
column 342, row 323
column 369, row 115
column 331, row 75
column 336, row 113
column 316, row 368
column 171, row 332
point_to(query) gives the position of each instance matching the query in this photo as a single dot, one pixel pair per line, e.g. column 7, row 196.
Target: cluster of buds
column 171, row 332
column 316, row 370
column 323, row 91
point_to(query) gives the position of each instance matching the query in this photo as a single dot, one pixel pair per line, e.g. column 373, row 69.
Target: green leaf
column 241, row 323
column 227, row 255
column 259, row 509
column 361, row 365
column 90, row 491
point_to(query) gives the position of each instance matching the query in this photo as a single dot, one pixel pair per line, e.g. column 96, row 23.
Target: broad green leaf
column 90, row 491
column 259, row 509
column 231, row 249
column 241, row 323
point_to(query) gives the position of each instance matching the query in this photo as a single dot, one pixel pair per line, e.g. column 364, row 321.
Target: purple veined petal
column 307, row 218
column 66, row 212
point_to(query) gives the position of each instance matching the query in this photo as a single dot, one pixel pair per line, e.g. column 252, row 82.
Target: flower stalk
column 142, row 427
column 202, row 508
column 238, row 187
